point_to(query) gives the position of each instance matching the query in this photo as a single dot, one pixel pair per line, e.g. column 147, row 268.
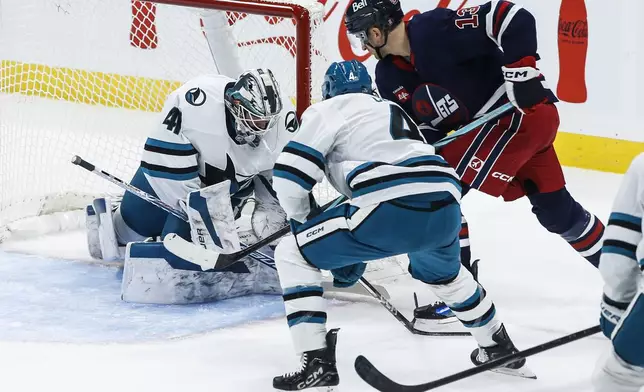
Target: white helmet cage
column 255, row 101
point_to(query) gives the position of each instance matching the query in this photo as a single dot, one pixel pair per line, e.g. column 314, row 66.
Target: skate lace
column 303, row 362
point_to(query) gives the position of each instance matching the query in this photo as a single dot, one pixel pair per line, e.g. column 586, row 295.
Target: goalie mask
column 255, row 103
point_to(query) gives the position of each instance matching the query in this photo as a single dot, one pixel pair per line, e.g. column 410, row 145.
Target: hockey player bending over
column 622, row 309
column 404, row 199
column 214, row 147
column 448, row 67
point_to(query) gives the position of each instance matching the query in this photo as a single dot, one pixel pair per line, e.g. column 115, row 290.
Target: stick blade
column 377, row 380
column 206, row 259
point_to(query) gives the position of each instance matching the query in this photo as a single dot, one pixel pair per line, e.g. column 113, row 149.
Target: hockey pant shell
column 514, row 157
column 347, row 235
column 137, row 219
column 511, row 157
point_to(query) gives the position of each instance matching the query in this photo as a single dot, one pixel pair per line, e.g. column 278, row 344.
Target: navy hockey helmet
column 361, row 15
column 346, row 77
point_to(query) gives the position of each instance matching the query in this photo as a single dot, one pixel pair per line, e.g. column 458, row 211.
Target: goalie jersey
column 370, row 150
column 195, row 145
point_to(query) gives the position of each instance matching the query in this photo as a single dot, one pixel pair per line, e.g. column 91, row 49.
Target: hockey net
column 88, row 78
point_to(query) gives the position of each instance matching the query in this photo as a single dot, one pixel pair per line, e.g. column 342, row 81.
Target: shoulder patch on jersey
column 290, row 122
column 402, row 94
column 196, row 96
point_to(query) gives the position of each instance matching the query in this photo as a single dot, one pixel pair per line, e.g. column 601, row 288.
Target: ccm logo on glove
column 524, row 84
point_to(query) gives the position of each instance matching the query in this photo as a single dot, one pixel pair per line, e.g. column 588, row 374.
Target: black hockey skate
column 438, row 312
column 318, row 369
column 436, row 317
column 503, row 348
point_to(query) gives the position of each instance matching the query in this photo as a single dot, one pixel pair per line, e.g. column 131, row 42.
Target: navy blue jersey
column 461, row 52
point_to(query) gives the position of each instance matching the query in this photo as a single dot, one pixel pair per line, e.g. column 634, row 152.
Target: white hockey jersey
column 194, row 143
column 370, row 150
column 622, row 258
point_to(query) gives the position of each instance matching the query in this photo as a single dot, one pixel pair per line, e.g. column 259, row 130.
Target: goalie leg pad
column 148, row 277
column 107, row 236
column 212, row 220
column 613, row 374
column 91, row 227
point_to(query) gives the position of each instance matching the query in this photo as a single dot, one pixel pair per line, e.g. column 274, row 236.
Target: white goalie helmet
column 255, row 102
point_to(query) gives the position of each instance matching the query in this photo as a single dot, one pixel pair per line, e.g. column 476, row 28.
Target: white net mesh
column 87, row 77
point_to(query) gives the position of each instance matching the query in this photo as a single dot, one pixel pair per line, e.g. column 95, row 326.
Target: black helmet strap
column 385, row 32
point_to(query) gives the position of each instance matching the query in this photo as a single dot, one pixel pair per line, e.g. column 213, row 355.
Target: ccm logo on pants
column 314, row 232
column 502, row 177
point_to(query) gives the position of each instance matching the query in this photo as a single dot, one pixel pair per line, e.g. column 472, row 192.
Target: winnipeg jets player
column 447, row 67
column 213, row 148
column 404, row 199
column 622, row 309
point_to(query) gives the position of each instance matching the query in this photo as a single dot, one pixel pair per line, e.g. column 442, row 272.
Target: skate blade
column 328, row 389
column 523, row 372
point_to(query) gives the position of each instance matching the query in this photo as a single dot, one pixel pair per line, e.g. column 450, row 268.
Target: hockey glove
column 525, row 85
column 611, row 314
column 349, row 275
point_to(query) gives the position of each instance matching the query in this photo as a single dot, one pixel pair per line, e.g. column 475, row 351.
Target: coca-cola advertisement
column 573, row 46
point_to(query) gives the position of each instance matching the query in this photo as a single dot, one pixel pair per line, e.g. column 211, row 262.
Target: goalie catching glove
column 268, row 216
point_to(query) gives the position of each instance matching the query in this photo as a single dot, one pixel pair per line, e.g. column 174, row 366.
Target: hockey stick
column 379, row 381
column 176, row 244
column 76, row 160
column 211, row 260
column 399, row 316
column 256, row 255
column 494, row 114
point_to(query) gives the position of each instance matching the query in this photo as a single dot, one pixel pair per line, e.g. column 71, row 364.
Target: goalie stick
column 379, row 381
column 211, row 260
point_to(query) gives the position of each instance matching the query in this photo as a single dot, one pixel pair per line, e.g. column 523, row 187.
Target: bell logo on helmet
column 359, row 5
column 196, row 96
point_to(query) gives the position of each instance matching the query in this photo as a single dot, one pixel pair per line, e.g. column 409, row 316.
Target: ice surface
column 63, row 301
column 541, row 287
